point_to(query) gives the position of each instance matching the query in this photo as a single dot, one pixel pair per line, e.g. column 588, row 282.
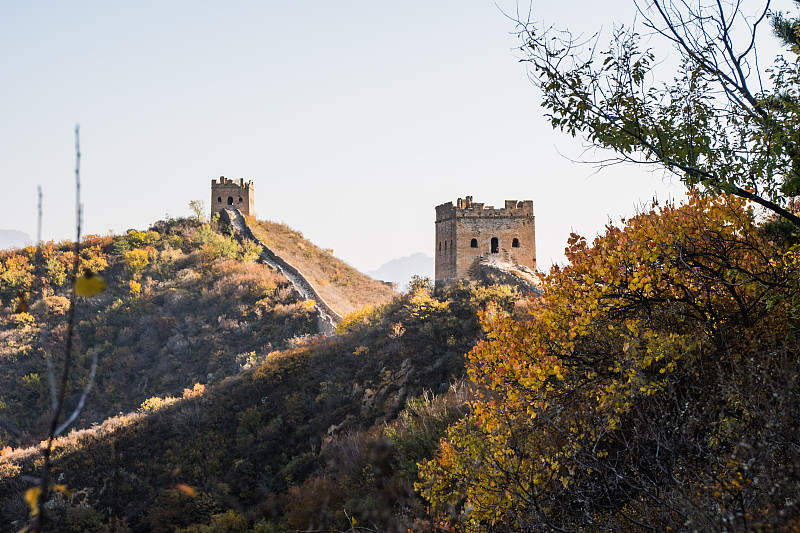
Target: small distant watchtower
column 232, row 193
column 468, row 232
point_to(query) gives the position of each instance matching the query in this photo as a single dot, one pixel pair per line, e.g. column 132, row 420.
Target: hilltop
column 217, row 405
column 186, row 304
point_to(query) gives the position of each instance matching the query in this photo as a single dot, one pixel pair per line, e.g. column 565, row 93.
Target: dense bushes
column 259, row 449
column 655, row 387
column 185, row 303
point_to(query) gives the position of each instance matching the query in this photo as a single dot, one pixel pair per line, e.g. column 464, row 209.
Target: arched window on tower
column 440, row 247
column 219, row 199
column 240, row 199
column 230, row 200
column 445, row 246
column 495, row 245
column 451, row 246
column 473, row 243
column 515, row 243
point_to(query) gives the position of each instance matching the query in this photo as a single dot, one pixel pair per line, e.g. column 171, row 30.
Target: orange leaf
column 189, row 491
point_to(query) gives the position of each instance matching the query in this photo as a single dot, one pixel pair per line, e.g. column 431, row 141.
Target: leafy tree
column 16, row 276
column 138, row 239
column 56, row 271
column 786, row 30
column 136, row 261
column 654, row 387
column 120, row 245
column 719, row 122
column 198, row 208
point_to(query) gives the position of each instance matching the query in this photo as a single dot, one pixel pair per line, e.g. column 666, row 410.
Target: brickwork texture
column 468, row 232
column 237, row 194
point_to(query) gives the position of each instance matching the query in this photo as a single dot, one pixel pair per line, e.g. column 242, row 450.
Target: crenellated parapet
column 470, row 231
column 466, row 208
column 237, row 194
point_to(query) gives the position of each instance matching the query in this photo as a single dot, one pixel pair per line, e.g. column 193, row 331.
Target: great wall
column 327, row 317
column 473, row 242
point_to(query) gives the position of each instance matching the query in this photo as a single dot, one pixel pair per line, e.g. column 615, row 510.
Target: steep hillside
column 344, row 288
column 304, row 441
column 185, row 304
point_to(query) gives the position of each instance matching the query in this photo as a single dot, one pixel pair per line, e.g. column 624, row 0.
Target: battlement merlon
column 466, row 208
column 233, row 183
column 445, row 211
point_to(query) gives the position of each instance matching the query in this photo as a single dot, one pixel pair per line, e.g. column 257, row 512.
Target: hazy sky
column 353, row 118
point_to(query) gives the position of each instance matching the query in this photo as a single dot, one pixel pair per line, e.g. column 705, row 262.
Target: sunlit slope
column 343, row 287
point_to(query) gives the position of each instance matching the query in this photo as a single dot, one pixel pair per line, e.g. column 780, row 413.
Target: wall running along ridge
column 327, row 317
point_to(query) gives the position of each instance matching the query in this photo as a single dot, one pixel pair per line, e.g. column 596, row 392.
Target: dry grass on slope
column 343, row 287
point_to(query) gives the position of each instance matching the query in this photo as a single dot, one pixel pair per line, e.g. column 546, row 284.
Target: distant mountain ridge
column 11, row 238
column 401, row 269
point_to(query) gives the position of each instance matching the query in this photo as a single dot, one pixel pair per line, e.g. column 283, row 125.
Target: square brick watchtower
column 232, row 193
column 468, row 232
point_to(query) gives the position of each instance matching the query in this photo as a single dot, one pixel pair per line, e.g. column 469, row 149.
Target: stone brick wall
column 459, row 227
column 237, row 194
column 327, row 318
column 446, row 259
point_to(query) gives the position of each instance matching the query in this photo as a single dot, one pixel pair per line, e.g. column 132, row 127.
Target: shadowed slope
column 250, row 444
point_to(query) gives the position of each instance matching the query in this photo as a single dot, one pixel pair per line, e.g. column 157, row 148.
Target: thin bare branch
column 47, row 465
column 82, row 401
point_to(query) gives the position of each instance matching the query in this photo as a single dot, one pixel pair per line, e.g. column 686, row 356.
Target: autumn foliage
column 654, row 386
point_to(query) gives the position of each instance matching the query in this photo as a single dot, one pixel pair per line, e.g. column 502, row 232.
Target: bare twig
column 51, row 381
column 47, row 465
column 82, row 400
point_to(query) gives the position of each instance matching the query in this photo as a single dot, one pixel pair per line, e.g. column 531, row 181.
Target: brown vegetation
column 344, row 288
column 184, row 304
column 259, row 449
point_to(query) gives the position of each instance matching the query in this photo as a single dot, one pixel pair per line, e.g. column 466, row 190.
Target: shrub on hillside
column 655, row 387
column 168, row 327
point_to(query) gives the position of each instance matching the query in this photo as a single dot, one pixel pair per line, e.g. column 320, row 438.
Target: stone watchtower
column 469, row 232
column 232, row 193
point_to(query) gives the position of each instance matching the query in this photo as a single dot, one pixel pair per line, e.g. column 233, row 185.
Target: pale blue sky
column 353, row 118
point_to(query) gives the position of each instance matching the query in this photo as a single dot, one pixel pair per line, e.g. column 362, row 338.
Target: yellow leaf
column 90, row 284
column 32, row 497
column 63, row 490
